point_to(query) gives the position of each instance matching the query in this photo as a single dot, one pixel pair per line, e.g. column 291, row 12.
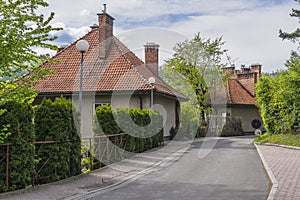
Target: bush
column 278, row 100
column 233, row 127
column 19, row 130
column 141, row 135
column 173, row 132
column 54, row 122
column 190, row 122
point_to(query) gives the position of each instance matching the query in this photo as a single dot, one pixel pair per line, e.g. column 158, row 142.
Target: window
column 96, row 105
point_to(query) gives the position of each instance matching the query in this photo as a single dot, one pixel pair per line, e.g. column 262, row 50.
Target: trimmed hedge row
column 31, row 163
column 19, row 130
column 143, row 126
column 53, row 121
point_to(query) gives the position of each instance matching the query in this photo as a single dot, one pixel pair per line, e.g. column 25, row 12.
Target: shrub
column 54, row 122
column 19, row 129
column 278, row 100
column 136, row 122
column 233, row 127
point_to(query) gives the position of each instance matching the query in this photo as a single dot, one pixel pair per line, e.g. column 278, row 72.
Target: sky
column 249, row 28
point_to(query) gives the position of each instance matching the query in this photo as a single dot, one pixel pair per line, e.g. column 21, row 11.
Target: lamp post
column 82, row 46
column 151, row 81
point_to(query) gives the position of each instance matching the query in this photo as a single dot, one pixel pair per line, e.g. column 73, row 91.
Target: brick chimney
column 151, row 56
column 106, row 23
column 256, row 68
column 229, row 70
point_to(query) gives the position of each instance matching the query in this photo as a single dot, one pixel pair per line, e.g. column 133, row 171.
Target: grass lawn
column 287, row 139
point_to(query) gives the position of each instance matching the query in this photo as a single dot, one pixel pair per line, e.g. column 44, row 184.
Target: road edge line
column 269, row 173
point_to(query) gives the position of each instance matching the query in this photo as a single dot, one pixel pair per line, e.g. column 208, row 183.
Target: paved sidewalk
column 75, row 187
column 284, row 164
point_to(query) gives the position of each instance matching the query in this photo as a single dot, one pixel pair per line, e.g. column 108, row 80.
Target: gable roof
column 238, row 94
column 120, row 70
column 240, row 87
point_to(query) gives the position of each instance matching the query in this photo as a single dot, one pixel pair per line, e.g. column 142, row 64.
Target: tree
column 293, row 36
column 20, row 133
column 197, row 60
column 293, row 65
column 278, row 96
column 21, row 30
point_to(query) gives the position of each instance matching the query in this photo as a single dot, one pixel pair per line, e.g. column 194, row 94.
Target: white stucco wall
column 247, row 115
column 165, row 106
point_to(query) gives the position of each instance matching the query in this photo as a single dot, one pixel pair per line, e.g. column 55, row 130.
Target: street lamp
column 82, row 46
column 151, row 81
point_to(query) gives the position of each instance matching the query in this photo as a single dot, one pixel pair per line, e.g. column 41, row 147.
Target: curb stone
column 269, row 173
column 278, row 145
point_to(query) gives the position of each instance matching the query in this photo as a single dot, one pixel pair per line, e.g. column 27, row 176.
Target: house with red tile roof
column 112, row 74
column 240, row 95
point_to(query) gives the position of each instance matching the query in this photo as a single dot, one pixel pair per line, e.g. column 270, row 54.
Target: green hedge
column 17, row 124
column 54, row 121
column 133, row 121
column 279, row 103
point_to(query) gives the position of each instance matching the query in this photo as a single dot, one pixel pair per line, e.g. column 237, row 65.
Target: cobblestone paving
column 285, row 165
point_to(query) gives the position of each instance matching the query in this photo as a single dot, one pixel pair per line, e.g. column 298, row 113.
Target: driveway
column 232, row 170
column 180, row 170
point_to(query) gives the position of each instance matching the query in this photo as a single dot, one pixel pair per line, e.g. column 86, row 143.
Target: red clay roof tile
column 120, row 70
column 237, row 93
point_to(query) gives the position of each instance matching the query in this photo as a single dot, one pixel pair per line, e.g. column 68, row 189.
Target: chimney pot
column 104, row 8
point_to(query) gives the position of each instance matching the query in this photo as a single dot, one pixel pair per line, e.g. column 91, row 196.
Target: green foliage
column 278, row 97
column 194, row 70
column 295, row 35
column 189, row 123
column 145, row 136
column 106, row 123
column 279, row 101
column 284, row 139
column 17, row 121
column 196, row 60
column 85, row 160
column 22, row 30
column 54, row 121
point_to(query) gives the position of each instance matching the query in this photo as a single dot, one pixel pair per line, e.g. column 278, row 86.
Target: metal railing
column 102, row 150
column 105, row 149
column 5, row 158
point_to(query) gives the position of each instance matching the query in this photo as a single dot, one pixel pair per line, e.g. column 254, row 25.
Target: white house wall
column 167, row 108
column 164, row 105
column 247, row 115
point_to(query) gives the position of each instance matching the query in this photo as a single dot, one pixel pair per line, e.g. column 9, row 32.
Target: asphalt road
column 232, row 170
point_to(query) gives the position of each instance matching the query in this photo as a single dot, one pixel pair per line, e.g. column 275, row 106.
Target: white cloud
column 135, row 40
column 251, row 36
column 72, row 32
column 85, row 12
column 140, row 10
column 249, row 28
